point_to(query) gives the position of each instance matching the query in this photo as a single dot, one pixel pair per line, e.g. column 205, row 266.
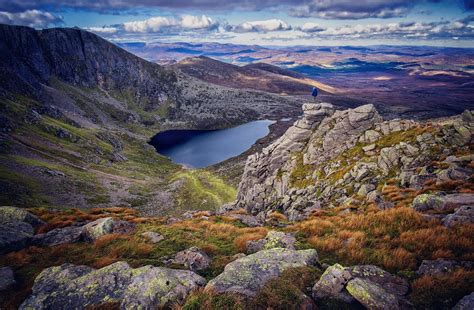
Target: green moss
column 408, row 136
column 288, row 291
column 201, row 190
column 301, row 175
column 207, row 300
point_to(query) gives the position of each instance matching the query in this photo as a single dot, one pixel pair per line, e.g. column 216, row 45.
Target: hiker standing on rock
column 314, row 93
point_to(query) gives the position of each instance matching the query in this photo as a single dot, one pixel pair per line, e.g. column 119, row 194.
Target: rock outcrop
column 193, row 258
column 260, row 183
column 104, row 226
column 248, row 274
column 338, row 157
column 58, row 236
column 153, row 237
column 14, row 214
column 368, row 285
column 273, row 239
column 77, row 287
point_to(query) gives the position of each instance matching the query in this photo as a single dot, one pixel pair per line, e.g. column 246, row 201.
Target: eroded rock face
column 248, row 274
column 104, row 226
column 322, row 161
column 320, row 135
column 369, row 285
column 76, row 287
column 273, row 239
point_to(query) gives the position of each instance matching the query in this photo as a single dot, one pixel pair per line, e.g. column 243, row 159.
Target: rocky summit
column 331, row 157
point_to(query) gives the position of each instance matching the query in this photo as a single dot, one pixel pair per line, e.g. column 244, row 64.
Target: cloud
column 327, row 9
column 161, row 24
column 406, row 30
column 105, row 30
column 262, row 26
column 197, row 22
column 409, row 31
column 154, row 24
column 312, row 27
column 31, row 18
column 360, row 9
column 117, row 5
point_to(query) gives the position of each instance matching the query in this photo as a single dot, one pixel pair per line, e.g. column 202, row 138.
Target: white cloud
column 312, row 27
column 262, row 26
column 196, row 22
column 105, row 30
column 161, row 23
column 154, row 24
column 31, row 18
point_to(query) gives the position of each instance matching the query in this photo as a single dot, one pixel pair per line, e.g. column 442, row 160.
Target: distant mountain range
column 409, row 81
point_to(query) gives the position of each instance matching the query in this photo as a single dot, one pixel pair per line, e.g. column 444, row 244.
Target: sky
column 262, row 22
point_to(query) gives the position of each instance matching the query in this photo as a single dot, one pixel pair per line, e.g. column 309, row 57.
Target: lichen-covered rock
column 466, row 303
column 193, row 259
column 7, row 278
column 392, row 284
column 154, row 287
column 105, row 226
column 441, row 266
column 273, row 239
column 331, row 284
column 442, row 203
column 153, row 237
column 58, row 236
column 371, row 286
column 13, row 214
column 248, row 274
column 371, row 295
column 77, row 287
column 14, row 236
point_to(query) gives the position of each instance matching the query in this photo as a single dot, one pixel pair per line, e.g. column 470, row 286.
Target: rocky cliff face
column 333, row 157
column 32, row 61
column 31, row 58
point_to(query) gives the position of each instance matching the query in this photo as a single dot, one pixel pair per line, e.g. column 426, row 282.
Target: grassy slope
column 90, row 176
